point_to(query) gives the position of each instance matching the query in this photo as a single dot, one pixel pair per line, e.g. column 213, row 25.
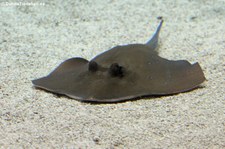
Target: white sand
column 34, row 40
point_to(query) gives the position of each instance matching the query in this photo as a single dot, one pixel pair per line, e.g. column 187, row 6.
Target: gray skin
column 122, row 73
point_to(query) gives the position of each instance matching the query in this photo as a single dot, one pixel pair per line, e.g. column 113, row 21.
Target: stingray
column 122, row 73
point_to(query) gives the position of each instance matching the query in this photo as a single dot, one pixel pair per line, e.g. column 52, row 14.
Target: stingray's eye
column 92, row 66
column 116, row 71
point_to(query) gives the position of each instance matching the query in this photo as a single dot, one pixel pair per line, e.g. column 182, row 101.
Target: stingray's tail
column 153, row 42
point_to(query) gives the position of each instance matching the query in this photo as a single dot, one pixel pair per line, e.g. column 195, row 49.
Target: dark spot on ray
column 116, row 71
column 128, row 72
column 93, row 66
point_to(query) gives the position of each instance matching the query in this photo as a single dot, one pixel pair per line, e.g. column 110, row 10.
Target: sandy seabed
column 36, row 37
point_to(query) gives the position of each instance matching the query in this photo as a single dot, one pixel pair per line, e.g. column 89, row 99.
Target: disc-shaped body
column 122, row 73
